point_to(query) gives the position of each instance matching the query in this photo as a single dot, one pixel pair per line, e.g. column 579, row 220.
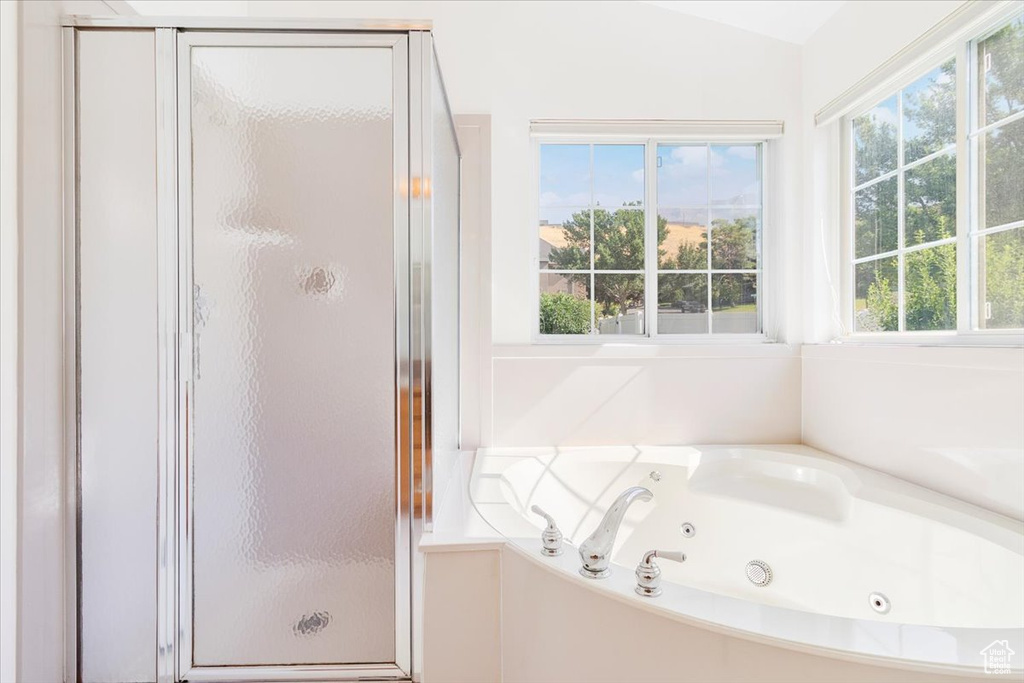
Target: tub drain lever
column 648, row 574
column 551, row 537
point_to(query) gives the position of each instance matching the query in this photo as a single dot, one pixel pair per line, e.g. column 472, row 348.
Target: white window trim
column 954, row 37
column 765, row 133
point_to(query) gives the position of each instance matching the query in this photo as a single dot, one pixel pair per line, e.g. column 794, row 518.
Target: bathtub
column 863, row 566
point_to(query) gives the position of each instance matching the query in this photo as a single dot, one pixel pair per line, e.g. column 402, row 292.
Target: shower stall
column 262, row 254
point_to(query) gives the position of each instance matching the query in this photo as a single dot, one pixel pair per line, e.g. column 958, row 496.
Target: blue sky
column 887, row 110
column 618, row 176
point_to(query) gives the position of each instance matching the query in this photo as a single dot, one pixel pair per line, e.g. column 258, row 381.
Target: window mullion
column 707, row 228
column 901, row 275
column 593, row 248
column 964, row 289
column 650, row 239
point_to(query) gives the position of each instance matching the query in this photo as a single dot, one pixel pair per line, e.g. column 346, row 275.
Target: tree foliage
column 562, row 313
column 618, row 245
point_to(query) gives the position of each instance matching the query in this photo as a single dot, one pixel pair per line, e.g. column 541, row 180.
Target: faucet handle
column 551, row 537
column 648, row 574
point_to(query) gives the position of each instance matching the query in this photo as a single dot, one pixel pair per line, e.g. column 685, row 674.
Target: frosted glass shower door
column 294, row 553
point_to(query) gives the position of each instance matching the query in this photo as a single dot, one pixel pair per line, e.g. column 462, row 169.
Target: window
column 649, row 239
column 997, row 145
column 926, row 255
column 904, row 203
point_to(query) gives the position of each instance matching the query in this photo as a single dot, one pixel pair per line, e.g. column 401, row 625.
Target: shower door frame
column 175, row 612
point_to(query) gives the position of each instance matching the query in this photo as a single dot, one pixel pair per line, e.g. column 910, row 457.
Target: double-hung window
column 646, row 237
column 935, row 190
column 996, row 141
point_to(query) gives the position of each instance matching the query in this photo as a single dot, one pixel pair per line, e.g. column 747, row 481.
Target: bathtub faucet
column 596, row 550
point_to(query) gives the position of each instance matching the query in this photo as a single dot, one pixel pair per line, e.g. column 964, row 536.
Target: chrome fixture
column 688, row 530
column 655, row 475
column 648, row 574
column 759, row 573
column 595, row 551
column 551, row 537
column 880, row 603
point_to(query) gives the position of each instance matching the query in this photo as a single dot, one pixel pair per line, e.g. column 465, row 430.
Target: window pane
column 876, row 218
column 682, row 304
column 565, row 175
column 930, row 194
column 564, row 239
column 875, row 306
column 1001, row 279
column 619, row 303
column 619, row 239
column 564, row 303
column 734, row 303
column 734, row 239
column 618, row 175
column 930, row 288
column 682, row 175
column 1002, row 174
column 682, row 239
column 874, row 141
column 735, row 175
column 929, row 113
column 1001, row 72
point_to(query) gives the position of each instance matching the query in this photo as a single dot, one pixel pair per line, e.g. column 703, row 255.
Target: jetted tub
column 863, row 565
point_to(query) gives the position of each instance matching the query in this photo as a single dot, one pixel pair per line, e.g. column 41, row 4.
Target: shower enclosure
column 263, row 265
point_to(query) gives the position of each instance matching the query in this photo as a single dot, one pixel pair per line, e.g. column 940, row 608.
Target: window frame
column 962, row 47
column 584, row 135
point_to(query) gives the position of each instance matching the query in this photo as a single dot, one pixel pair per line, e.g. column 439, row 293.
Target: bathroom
column 691, row 347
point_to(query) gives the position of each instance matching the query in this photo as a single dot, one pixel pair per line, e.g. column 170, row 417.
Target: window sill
column 1010, row 339
column 651, row 349
column 640, row 340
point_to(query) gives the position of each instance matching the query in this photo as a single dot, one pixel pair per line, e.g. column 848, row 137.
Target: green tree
column 930, row 298
column 618, row 245
column 733, row 247
column 882, row 306
column 1003, row 289
column 929, row 278
column 562, row 313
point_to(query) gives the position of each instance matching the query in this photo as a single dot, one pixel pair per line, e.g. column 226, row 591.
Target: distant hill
column 676, row 234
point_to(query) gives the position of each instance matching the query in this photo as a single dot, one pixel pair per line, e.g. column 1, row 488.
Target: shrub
column 562, row 313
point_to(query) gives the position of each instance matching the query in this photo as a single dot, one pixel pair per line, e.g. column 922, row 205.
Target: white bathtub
column 833, row 534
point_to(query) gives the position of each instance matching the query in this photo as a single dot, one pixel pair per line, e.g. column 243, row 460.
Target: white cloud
column 690, row 156
column 743, row 152
column 555, row 199
column 883, row 114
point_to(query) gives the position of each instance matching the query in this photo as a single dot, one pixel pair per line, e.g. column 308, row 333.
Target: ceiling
column 790, row 20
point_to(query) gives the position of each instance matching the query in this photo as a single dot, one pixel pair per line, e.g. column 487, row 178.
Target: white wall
column 858, row 38
column 948, row 419
column 523, row 61
column 573, row 396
